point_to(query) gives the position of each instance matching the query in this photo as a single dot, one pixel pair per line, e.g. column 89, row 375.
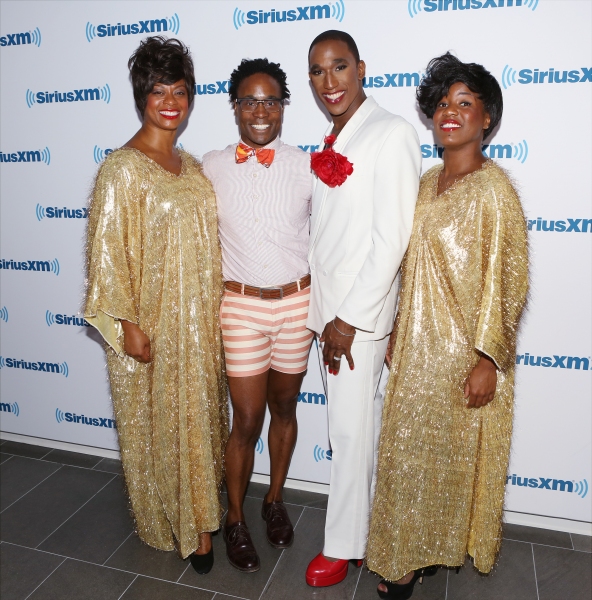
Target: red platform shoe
column 322, row 572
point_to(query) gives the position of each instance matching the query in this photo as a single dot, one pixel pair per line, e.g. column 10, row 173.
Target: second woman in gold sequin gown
column 154, row 262
column 442, row 464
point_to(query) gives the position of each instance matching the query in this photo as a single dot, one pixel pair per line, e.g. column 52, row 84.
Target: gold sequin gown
column 442, row 467
column 154, row 259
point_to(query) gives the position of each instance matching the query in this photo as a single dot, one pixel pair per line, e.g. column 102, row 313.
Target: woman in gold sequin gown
column 154, row 288
column 447, row 419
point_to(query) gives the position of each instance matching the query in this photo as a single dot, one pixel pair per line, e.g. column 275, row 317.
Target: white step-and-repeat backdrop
column 67, row 102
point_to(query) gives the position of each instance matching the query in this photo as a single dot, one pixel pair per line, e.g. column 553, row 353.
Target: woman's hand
column 481, row 383
column 135, row 342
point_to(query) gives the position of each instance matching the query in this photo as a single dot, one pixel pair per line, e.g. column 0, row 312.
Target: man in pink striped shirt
column 264, row 189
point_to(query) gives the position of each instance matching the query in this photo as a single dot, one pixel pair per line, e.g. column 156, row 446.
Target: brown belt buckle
column 261, row 290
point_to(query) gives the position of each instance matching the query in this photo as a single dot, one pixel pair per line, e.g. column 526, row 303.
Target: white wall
column 544, row 141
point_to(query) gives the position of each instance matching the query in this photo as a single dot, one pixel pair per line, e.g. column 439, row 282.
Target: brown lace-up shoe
column 240, row 550
column 280, row 533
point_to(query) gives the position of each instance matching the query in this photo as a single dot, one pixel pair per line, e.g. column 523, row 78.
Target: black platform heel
column 202, row 563
column 398, row 591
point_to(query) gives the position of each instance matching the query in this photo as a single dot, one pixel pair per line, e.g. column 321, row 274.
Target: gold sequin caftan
column 154, row 259
column 442, row 467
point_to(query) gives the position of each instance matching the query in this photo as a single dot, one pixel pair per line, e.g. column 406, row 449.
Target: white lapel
column 321, row 190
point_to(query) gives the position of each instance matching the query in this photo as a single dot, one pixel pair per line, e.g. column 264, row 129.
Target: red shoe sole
column 327, row 581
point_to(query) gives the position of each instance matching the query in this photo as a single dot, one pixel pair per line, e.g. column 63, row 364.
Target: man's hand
column 481, row 383
column 135, row 342
column 389, row 349
column 337, row 344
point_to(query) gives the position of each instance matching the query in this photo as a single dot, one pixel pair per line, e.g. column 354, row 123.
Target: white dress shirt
column 263, row 214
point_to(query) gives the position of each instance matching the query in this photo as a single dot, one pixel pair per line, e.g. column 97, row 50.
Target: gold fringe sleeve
column 505, row 264
column 114, row 250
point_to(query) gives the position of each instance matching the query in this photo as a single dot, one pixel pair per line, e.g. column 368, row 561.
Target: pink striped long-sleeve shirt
column 263, row 214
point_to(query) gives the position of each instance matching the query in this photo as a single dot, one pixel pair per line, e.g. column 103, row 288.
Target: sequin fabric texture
column 154, row 259
column 442, row 467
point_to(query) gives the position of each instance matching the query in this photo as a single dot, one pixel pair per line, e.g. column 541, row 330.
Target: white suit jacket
column 360, row 230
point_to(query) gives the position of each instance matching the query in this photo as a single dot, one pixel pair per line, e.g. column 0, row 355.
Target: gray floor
column 67, row 533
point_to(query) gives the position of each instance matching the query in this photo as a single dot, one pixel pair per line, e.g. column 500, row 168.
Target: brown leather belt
column 270, row 293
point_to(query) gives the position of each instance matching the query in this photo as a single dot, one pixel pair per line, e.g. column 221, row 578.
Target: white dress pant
column 355, row 413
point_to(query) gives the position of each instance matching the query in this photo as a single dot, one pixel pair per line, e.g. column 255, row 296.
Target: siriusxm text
column 442, row 5
column 300, row 13
column 83, row 95
column 392, row 80
column 16, row 39
column 95, row 421
column 583, row 75
column 70, row 320
column 21, row 156
column 566, row 225
column 26, row 265
column 150, row 26
column 53, row 212
column 13, row 363
column 309, row 398
column 554, row 362
column 542, row 483
column 490, row 150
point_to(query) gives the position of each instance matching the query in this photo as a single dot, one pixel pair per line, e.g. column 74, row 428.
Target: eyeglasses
column 249, row 105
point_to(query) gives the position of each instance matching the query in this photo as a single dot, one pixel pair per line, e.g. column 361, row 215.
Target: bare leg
column 248, row 396
column 282, row 399
column 205, row 543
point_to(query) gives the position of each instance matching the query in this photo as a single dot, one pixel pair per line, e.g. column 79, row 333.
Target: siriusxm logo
column 172, row 24
column 27, row 156
column 259, row 446
column 556, row 362
column 4, row 314
column 320, row 454
column 13, row 363
column 392, row 80
column 416, row 6
column 53, row 212
column 526, row 76
column 100, row 155
column 52, row 266
column 333, row 10
column 309, row 398
column 62, row 417
column 220, row 87
column 82, row 95
column 10, row 408
column 22, row 39
column 517, row 151
column 543, row 483
column 59, row 319
column 567, row 225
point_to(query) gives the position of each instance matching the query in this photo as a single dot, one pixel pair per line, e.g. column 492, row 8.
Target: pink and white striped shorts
column 259, row 334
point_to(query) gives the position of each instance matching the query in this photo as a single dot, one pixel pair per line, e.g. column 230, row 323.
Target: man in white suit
column 359, row 234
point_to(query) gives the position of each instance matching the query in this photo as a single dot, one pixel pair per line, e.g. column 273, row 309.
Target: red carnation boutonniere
column 329, row 166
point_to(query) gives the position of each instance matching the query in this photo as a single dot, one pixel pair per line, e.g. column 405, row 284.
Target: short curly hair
column 444, row 71
column 250, row 67
column 160, row 60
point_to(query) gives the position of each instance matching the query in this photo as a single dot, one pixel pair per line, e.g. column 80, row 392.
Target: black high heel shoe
column 404, row 591
column 202, row 563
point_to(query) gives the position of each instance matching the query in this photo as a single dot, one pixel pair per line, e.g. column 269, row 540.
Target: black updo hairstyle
column 446, row 70
column 250, row 67
column 160, row 60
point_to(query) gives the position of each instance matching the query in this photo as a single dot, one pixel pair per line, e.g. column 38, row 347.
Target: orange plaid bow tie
column 244, row 152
